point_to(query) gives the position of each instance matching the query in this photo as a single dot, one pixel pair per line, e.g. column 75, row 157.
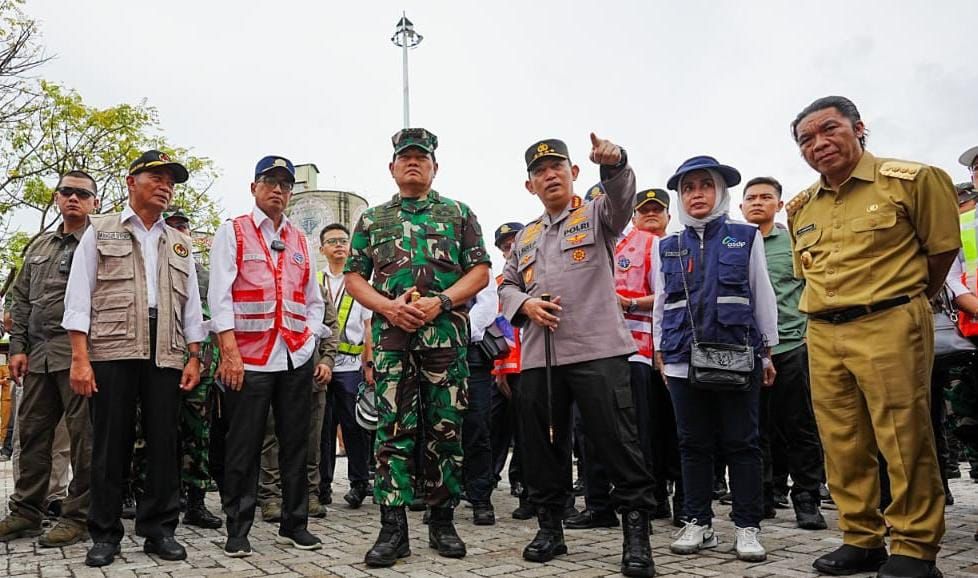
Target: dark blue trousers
column 477, row 466
column 341, row 399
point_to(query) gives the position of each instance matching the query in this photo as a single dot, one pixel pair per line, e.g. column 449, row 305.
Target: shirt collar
column 128, row 214
column 259, row 217
column 60, row 232
column 865, row 171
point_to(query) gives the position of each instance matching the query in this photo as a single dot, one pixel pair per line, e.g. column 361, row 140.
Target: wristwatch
column 198, row 355
column 632, row 306
column 446, row 302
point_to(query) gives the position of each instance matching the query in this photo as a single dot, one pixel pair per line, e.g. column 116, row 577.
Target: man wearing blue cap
column 267, row 311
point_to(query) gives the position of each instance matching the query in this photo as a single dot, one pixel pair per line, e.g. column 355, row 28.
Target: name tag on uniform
column 113, row 236
column 253, row 257
column 805, row 229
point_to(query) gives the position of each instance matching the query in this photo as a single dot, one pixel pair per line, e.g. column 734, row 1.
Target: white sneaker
column 748, row 547
column 693, row 538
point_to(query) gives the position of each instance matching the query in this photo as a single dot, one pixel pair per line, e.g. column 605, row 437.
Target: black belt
column 837, row 316
column 153, row 313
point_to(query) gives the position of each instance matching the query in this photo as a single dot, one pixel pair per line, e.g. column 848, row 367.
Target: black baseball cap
column 652, row 195
column 154, row 158
column 507, row 230
column 550, row 147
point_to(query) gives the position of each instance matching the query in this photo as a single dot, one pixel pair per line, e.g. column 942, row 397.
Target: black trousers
column 787, row 425
column 701, row 416
column 287, row 392
column 666, row 463
column 477, row 461
column 219, row 430
column 341, row 401
column 503, row 431
column 121, row 385
column 597, row 484
column 603, row 393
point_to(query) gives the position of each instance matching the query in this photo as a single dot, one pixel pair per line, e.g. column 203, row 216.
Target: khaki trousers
column 871, row 393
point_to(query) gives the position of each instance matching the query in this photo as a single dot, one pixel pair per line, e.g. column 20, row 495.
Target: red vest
column 510, row 363
column 633, row 264
column 269, row 300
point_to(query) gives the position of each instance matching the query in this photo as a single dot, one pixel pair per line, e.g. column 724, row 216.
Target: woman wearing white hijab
column 711, row 286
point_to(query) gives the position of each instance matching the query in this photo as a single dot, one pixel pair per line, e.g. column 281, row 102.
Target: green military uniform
column 863, row 250
column 428, row 243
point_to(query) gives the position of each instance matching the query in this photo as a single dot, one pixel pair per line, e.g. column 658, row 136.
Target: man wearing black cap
column 267, row 311
column 133, row 314
column 507, row 377
column 567, row 253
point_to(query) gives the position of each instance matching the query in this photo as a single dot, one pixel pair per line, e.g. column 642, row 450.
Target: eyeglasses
column 82, row 194
column 285, row 184
column 337, row 241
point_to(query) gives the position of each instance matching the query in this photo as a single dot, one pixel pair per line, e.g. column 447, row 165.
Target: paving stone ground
column 492, row 550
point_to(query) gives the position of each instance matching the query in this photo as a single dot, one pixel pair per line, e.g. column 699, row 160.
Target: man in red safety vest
column 267, row 311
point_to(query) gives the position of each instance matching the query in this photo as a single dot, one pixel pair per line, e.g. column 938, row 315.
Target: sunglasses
column 82, row 194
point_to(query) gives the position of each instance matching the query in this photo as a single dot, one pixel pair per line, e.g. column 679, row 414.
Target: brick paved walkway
column 492, row 550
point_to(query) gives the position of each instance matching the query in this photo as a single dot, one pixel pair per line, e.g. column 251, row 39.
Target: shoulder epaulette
column 900, row 170
column 799, row 200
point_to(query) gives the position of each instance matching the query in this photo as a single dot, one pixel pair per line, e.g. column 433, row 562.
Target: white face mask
column 720, row 207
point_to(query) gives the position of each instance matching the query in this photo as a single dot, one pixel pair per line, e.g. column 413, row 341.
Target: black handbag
column 493, row 344
column 716, row 366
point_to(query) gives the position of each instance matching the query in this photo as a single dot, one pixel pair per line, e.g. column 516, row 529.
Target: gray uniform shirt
column 571, row 256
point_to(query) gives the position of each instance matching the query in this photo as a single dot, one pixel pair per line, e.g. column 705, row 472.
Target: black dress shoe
column 166, row 548
column 807, row 513
column 356, row 495
column 526, row 511
column 848, row 560
column 592, row 519
column 905, row 567
column 101, row 554
column 483, row 514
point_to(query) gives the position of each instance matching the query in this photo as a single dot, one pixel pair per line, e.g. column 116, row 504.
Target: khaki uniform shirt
column 570, row 256
column 869, row 241
column 38, row 302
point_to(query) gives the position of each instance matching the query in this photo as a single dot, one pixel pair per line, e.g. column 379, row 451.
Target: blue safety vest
column 719, row 288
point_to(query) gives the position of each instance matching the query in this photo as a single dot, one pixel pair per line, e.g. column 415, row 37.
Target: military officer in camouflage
column 427, row 258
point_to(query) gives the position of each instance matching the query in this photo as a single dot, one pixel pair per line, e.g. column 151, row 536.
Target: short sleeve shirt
column 426, row 243
column 869, row 240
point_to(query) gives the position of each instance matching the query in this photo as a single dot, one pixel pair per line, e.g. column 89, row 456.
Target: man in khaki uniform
column 133, row 314
column 873, row 238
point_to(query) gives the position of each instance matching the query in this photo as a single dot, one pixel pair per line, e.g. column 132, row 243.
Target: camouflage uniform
column 427, row 243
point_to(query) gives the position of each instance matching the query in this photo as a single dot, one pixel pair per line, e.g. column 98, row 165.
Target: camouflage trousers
column 420, row 398
column 195, row 435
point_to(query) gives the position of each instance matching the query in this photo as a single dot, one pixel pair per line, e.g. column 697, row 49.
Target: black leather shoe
column 197, row 513
column 636, row 551
column 442, row 535
column 417, row 505
column 483, row 514
column 848, row 560
column 356, row 495
column 549, row 541
column 392, row 543
column 525, row 512
column 516, row 490
column 905, row 567
column 807, row 513
column 167, row 548
column 237, row 547
column 591, row 519
column 101, row 554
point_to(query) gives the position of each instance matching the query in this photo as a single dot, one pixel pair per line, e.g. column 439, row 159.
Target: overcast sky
column 321, row 82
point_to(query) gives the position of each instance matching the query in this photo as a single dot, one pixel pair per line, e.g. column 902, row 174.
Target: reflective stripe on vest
column 342, row 316
column 969, row 249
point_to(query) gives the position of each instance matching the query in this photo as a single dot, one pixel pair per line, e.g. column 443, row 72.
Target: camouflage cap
column 175, row 215
column 550, row 147
column 414, row 137
column 966, row 192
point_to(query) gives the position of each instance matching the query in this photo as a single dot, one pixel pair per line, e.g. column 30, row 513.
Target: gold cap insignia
column 543, row 147
column 280, row 163
column 164, row 157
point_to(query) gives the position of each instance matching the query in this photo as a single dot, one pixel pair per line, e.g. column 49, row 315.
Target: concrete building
column 311, row 208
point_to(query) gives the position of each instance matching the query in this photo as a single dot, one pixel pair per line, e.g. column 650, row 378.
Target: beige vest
column 120, row 313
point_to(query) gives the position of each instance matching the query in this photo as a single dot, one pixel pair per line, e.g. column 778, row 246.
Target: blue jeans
column 477, row 467
column 705, row 419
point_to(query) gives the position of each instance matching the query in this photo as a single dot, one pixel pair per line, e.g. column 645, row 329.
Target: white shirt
column 355, row 323
column 484, row 311
column 224, row 270
column 84, row 274
column 764, row 301
column 953, row 279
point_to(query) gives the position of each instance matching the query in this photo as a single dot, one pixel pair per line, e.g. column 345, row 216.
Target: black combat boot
column 806, row 511
column 356, row 495
column 549, row 541
column 636, row 552
column 442, row 535
column 392, row 543
column 197, row 513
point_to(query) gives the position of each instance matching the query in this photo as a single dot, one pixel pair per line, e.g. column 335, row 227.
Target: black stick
column 547, row 347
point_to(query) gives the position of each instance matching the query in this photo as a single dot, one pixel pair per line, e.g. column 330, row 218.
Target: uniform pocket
column 113, row 317
column 38, row 269
column 115, row 261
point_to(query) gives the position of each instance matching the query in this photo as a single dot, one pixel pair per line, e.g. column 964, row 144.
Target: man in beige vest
column 132, row 310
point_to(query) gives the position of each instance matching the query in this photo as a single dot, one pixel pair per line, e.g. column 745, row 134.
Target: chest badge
column 576, row 239
column 527, row 276
column 872, row 208
column 578, row 255
column 624, row 263
column 807, row 259
column 181, row 250
column 298, row 258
